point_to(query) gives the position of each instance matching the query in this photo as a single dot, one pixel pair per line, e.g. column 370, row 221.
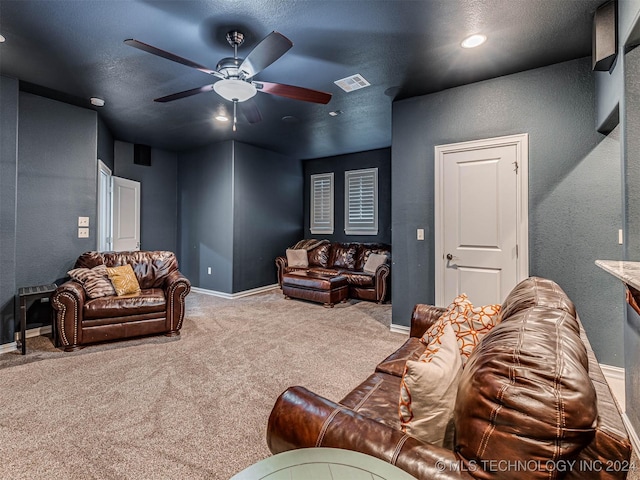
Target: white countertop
column 628, row 272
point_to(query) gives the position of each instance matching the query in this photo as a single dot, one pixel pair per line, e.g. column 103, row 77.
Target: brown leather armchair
column 159, row 308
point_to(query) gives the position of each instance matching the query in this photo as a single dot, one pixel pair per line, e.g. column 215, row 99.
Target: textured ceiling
column 403, row 48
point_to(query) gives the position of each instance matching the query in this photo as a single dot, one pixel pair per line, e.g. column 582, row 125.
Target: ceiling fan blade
column 250, row 111
column 170, row 56
column 186, row 93
column 297, row 93
column 270, row 49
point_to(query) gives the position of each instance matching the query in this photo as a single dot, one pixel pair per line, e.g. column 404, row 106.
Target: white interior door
column 481, row 219
column 126, row 214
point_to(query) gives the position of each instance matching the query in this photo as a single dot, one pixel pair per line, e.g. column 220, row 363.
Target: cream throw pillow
column 95, row 281
column 373, row 262
column 124, row 280
column 429, row 388
column 297, row 258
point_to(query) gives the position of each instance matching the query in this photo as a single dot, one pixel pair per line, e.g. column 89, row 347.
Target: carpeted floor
column 194, row 406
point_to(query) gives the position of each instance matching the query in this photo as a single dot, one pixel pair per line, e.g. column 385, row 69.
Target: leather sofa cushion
column 374, row 397
column 319, row 256
column 533, row 292
column 522, row 396
column 151, row 267
column 148, row 301
column 394, row 363
column 343, row 255
column 359, row 279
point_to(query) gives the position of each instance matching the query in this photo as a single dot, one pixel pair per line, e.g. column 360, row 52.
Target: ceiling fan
column 235, row 74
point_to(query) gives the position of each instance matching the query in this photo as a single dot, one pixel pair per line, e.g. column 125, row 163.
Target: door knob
column 449, row 256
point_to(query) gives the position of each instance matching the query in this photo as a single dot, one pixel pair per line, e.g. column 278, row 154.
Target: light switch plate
column 83, row 232
column 83, row 221
column 420, row 234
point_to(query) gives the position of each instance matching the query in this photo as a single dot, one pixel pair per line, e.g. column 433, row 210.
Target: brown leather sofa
column 348, row 259
column 159, row 308
column 532, row 403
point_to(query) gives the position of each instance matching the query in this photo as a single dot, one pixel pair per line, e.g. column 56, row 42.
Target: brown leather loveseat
column 349, row 260
column 158, row 308
column 532, row 402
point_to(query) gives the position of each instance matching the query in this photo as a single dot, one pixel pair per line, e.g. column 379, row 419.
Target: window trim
column 371, row 228
column 328, row 226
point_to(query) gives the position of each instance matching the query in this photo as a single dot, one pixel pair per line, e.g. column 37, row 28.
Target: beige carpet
column 195, row 406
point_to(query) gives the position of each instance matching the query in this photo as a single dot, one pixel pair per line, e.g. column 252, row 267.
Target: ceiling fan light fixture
column 233, row 89
column 473, row 41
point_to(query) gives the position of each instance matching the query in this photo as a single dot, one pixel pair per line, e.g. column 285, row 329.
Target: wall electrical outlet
column 208, row 270
column 83, row 232
column 620, row 237
column 83, row 221
column 420, row 233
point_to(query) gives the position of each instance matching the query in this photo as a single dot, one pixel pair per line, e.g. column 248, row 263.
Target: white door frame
column 103, row 236
column 521, row 142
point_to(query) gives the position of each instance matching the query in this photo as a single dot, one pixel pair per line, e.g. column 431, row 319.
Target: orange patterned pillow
column 469, row 324
column 429, row 388
column 124, row 280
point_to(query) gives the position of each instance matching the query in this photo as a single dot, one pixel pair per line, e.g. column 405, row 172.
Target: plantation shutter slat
column 361, row 202
column 322, row 203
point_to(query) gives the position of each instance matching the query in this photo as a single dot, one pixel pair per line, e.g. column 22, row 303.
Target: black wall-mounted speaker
column 142, row 154
column 604, row 40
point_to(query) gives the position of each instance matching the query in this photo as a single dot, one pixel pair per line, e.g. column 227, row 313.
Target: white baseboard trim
column 633, row 435
column 233, row 296
column 32, row 332
column 615, row 379
column 400, row 329
column 8, row 347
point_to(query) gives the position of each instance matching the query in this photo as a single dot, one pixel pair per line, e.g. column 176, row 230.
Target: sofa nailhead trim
column 63, row 308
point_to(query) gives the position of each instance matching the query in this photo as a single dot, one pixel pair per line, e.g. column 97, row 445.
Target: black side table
column 24, row 295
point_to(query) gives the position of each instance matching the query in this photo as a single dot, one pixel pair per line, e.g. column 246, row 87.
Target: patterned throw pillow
column 95, row 281
column 469, row 324
column 429, row 388
column 124, row 280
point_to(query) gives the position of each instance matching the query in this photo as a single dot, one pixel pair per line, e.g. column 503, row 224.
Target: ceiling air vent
column 354, row 82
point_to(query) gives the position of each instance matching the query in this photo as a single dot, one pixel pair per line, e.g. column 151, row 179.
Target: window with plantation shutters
column 361, row 202
column 322, row 203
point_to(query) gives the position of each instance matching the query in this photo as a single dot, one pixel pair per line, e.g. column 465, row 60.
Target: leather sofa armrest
column 302, row 419
column 176, row 287
column 423, row 316
column 281, row 265
column 68, row 301
column 383, row 277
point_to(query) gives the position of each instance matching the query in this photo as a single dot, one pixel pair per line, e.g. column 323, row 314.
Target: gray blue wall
column 239, row 208
column 574, row 185
column 158, row 195
column 380, row 159
column 632, row 215
column 57, row 145
column 205, row 205
column 8, row 192
column 267, row 213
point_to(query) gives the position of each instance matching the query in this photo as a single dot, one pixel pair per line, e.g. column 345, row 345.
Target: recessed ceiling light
column 2, row 39
column 222, row 118
column 335, row 113
column 97, row 102
column 473, row 41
